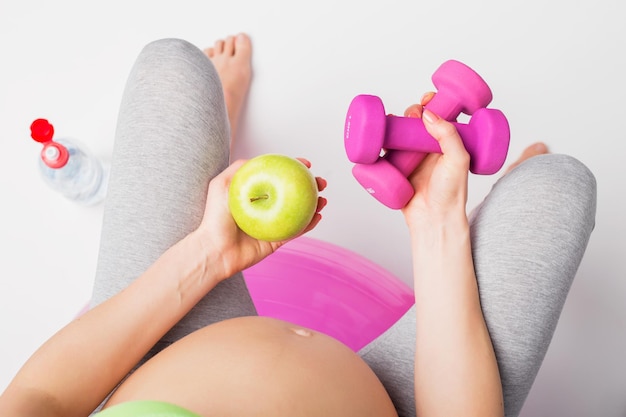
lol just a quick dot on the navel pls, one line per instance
(301, 332)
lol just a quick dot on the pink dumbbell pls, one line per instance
(370, 131)
(460, 89)
(386, 179)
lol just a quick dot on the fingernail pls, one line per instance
(429, 116)
(414, 114)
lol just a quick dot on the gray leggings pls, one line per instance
(528, 236)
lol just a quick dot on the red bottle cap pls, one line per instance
(53, 154)
(41, 130)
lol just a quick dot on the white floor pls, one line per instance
(556, 70)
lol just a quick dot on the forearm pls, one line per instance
(455, 367)
(82, 363)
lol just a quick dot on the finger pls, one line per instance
(321, 183)
(317, 217)
(305, 162)
(446, 134)
(226, 176)
(427, 97)
(235, 166)
(414, 110)
(321, 203)
(421, 174)
(209, 52)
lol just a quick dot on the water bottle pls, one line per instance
(68, 167)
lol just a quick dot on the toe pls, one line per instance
(243, 46)
(229, 46)
(219, 46)
(538, 148)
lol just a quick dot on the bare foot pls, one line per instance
(535, 149)
(232, 59)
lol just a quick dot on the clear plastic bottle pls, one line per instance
(68, 167)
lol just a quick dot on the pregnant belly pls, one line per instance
(258, 366)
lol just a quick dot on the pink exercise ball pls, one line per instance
(329, 289)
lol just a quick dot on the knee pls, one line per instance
(553, 185)
(172, 59)
(566, 181)
(569, 174)
(558, 171)
(566, 166)
(170, 47)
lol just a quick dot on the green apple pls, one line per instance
(273, 197)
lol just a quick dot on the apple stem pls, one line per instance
(261, 197)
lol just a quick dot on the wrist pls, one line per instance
(442, 257)
(204, 256)
(441, 241)
(439, 228)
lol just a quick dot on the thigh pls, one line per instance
(528, 238)
(172, 137)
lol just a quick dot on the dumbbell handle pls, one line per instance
(404, 161)
(410, 134)
(445, 108)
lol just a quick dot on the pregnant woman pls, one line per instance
(172, 320)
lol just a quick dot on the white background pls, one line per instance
(556, 69)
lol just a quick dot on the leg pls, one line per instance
(526, 256)
(235, 73)
(172, 138)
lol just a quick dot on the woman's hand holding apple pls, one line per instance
(220, 234)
